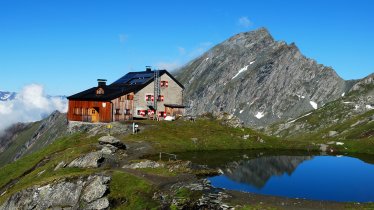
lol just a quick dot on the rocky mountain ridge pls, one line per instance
(25, 138)
(353, 113)
(259, 80)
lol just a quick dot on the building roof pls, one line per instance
(174, 105)
(131, 82)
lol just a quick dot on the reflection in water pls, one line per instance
(258, 171)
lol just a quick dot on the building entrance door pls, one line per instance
(95, 116)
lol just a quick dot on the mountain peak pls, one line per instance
(251, 37)
(258, 79)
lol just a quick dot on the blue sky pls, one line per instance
(65, 45)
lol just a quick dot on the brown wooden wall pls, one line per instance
(105, 111)
(120, 105)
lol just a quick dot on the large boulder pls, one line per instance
(112, 141)
(95, 189)
(80, 193)
(90, 160)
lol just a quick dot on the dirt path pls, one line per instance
(162, 182)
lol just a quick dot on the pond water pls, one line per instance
(292, 174)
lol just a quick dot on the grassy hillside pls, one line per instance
(129, 191)
(349, 119)
(34, 137)
(17, 143)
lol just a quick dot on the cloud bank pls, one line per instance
(30, 105)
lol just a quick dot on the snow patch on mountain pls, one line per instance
(314, 104)
(245, 68)
(259, 115)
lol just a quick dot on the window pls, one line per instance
(164, 83)
(77, 111)
(93, 112)
(160, 98)
(118, 112)
(84, 111)
(130, 97)
(127, 112)
(142, 112)
(149, 98)
(100, 91)
(161, 114)
(151, 112)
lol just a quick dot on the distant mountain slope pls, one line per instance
(25, 138)
(350, 117)
(259, 80)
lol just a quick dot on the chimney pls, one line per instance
(101, 82)
(148, 69)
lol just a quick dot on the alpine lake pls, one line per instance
(293, 174)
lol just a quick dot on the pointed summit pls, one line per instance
(251, 73)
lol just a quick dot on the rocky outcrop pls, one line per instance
(94, 129)
(90, 160)
(144, 164)
(257, 79)
(80, 193)
(352, 104)
(229, 120)
(112, 141)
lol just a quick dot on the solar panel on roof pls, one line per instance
(128, 78)
(125, 78)
(148, 75)
(139, 81)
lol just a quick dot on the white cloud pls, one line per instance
(244, 22)
(30, 105)
(122, 38)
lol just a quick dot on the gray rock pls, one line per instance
(257, 79)
(112, 141)
(62, 164)
(332, 133)
(108, 150)
(95, 189)
(102, 203)
(90, 160)
(63, 194)
(144, 164)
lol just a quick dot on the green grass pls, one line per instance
(65, 149)
(9, 153)
(204, 134)
(130, 192)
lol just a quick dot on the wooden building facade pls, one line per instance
(132, 96)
